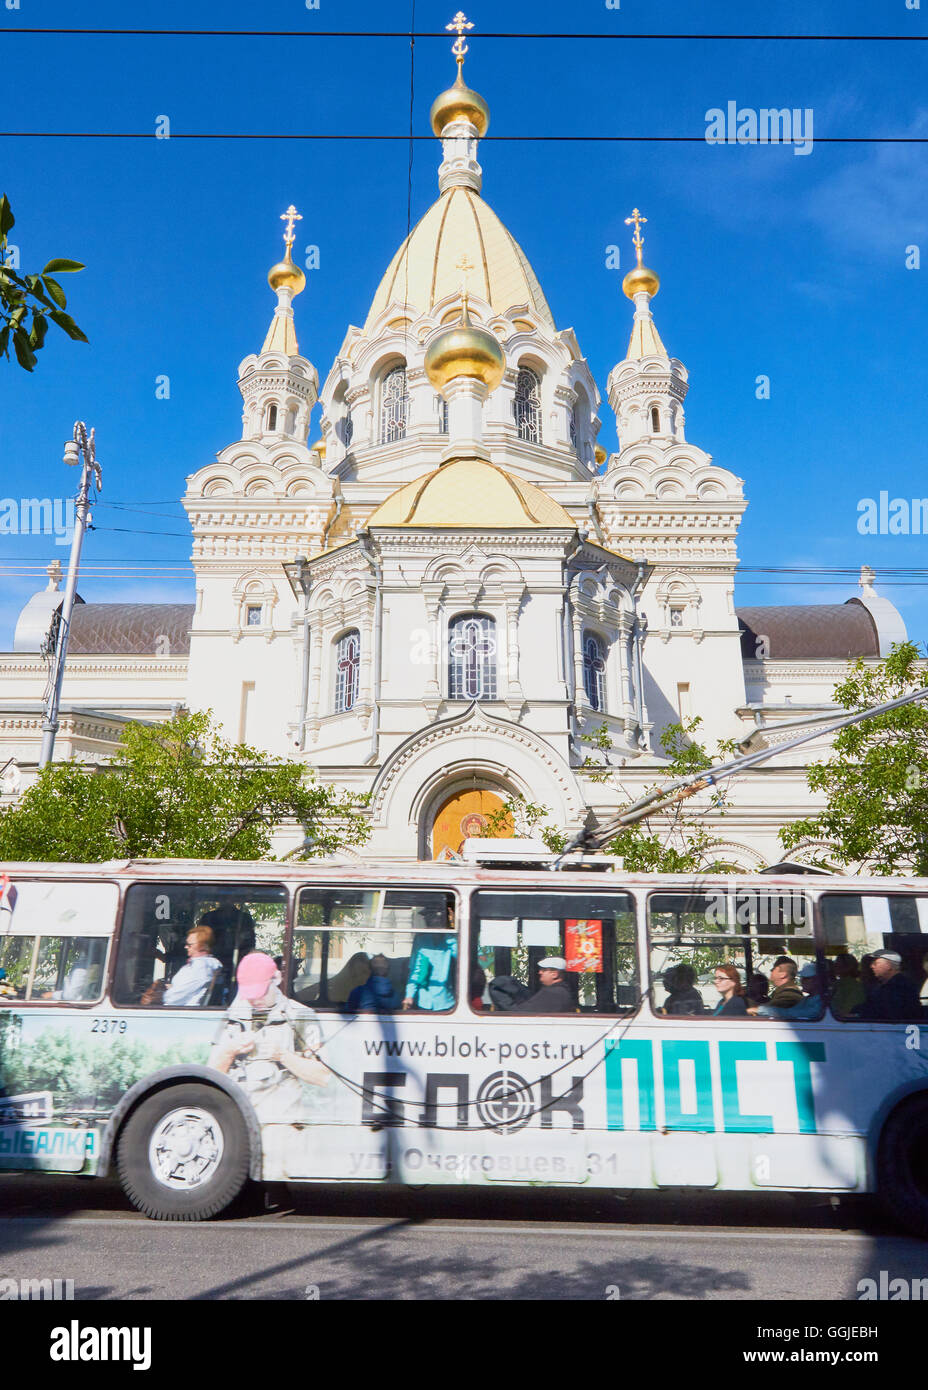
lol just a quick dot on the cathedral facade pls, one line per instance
(457, 595)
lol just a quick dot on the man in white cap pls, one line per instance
(554, 996)
(895, 995)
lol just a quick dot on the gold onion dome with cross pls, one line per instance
(459, 102)
(285, 275)
(640, 278)
(465, 349)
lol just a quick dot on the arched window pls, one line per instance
(655, 420)
(594, 670)
(527, 405)
(472, 658)
(347, 671)
(441, 407)
(394, 405)
(574, 431)
(347, 429)
(272, 417)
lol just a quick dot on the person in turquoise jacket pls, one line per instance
(430, 984)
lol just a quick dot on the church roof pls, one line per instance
(149, 629)
(824, 631)
(426, 268)
(468, 493)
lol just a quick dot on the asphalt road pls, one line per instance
(365, 1243)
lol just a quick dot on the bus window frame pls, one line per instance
(460, 894)
(106, 979)
(842, 1020)
(188, 882)
(549, 886)
(816, 937)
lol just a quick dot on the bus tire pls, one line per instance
(183, 1154)
(902, 1166)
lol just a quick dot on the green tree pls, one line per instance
(681, 846)
(28, 302)
(876, 779)
(177, 790)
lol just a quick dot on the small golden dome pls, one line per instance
(286, 275)
(318, 448)
(465, 349)
(460, 103)
(641, 278)
(599, 453)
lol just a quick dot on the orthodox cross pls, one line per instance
(459, 47)
(290, 216)
(638, 220)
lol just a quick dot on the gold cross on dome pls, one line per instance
(459, 23)
(464, 265)
(639, 221)
(290, 216)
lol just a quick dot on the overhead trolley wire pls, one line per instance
(520, 35)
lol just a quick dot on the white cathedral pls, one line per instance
(442, 600)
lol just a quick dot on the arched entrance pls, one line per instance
(462, 814)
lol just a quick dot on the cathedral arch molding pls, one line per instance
(513, 758)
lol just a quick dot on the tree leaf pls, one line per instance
(4, 340)
(7, 220)
(55, 290)
(62, 266)
(24, 354)
(39, 329)
(66, 322)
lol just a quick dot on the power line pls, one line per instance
(380, 137)
(521, 36)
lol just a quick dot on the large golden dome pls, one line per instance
(470, 492)
(465, 349)
(460, 103)
(426, 268)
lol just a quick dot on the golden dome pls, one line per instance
(318, 448)
(470, 492)
(425, 270)
(460, 103)
(641, 278)
(286, 275)
(465, 349)
(599, 453)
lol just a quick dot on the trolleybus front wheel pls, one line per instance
(902, 1166)
(183, 1154)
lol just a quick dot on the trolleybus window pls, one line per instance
(375, 950)
(54, 938)
(592, 933)
(180, 943)
(762, 942)
(856, 927)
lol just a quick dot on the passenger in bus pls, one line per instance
(809, 1006)
(923, 992)
(478, 986)
(682, 995)
(787, 992)
(377, 994)
(848, 992)
(728, 983)
(553, 997)
(353, 975)
(192, 983)
(895, 996)
(430, 983)
(757, 989)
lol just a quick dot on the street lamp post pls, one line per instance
(79, 452)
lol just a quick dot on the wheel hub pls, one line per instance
(185, 1148)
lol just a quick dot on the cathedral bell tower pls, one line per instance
(278, 386)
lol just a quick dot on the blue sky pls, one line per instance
(771, 263)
